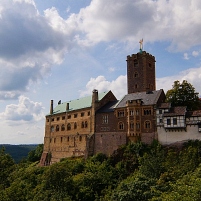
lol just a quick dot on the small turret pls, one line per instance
(51, 107)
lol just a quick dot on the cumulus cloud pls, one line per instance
(127, 21)
(25, 111)
(118, 86)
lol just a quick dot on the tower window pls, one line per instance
(136, 74)
(135, 63)
(150, 65)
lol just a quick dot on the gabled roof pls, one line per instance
(76, 104)
(150, 98)
(165, 106)
(176, 111)
(195, 113)
(109, 107)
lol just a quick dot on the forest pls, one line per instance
(134, 172)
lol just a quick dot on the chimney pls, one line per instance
(94, 96)
(51, 107)
(67, 106)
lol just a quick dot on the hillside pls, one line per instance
(134, 172)
(18, 152)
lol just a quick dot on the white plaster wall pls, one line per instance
(169, 137)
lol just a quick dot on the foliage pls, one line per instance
(18, 152)
(35, 155)
(183, 94)
(135, 172)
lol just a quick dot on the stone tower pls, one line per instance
(141, 72)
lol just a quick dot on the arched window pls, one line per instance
(137, 125)
(75, 125)
(86, 124)
(131, 125)
(62, 127)
(121, 126)
(52, 129)
(57, 128)
(147, 124)
(69, 126)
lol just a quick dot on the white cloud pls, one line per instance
(186, 56)
(128, 21)
(118, 86)
(195, 53)
(192, 75)
(25, 111)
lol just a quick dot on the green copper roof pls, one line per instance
(76, 104)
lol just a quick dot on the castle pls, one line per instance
(100, 123)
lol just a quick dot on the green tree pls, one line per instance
(6, 168)
(35, 154)
(183, 94)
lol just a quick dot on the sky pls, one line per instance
(63, 49)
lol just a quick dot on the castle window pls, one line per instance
(58, 118)
(82, 125)
(149, 65)
(137, 126)
(63, 117)
(86, 124)
(52, 129)
(136, 74)
(105, 119)
(69, 126)
(62, 127)
(168, 121)
(61, 139)
(80, 138)
(75, 125)
(57, 128)
(52, 119)
(147, 112)
(68, 139)
(75, 115)
(121, 114)
(174, 121)
(160, 121)
(69, 116)
(147, 124)
(137, 112)
(48, 120)
(131, 125)
(88, 113)
(131, 112)
(135, 63)
(136, 86)
(82, 114)
(121, 126)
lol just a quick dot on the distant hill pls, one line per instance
(18, 152)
